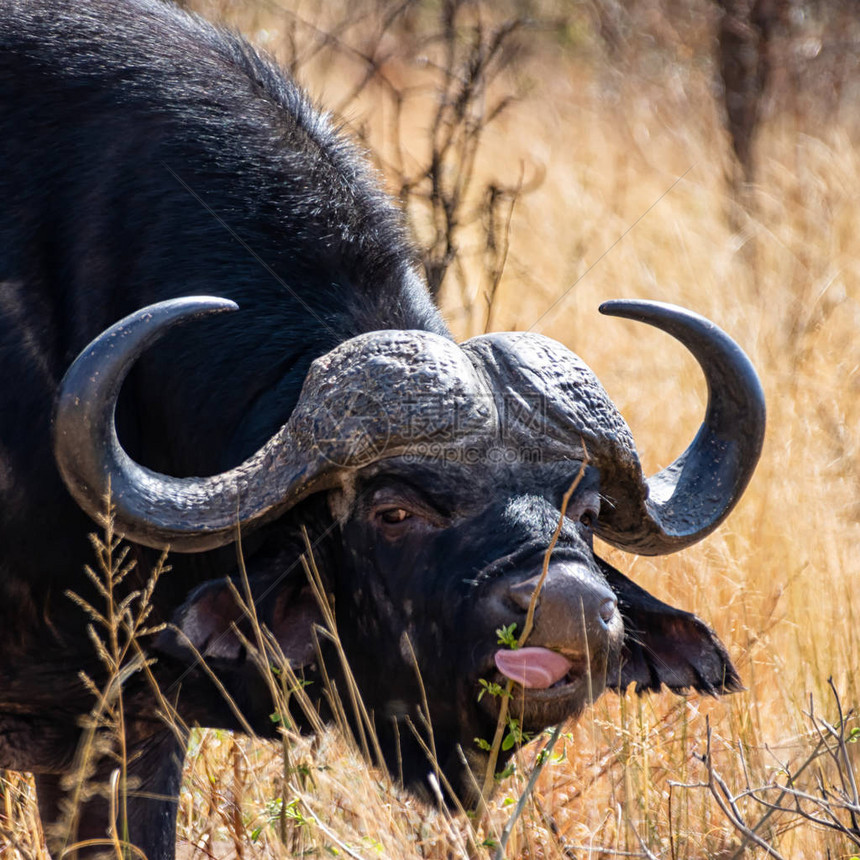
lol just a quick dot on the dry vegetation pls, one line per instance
(607, 176)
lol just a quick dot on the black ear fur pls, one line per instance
(665, 645)
(212, 621)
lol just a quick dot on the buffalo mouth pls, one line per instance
(538, 708)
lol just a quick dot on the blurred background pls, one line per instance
(550, 156)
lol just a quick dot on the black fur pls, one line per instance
(148, 155)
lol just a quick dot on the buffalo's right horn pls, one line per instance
(688, 499)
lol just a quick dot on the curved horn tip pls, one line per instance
(116, 348)
(150, 323)
(646, 310)
(187, 306)
(704, 338)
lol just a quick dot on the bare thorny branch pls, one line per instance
(458, 213)
(830, 802)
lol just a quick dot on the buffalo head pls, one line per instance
(431, 477)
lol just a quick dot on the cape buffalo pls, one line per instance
(150, 161)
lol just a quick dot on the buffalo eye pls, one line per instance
(585, 509)
(394, 516)
(395, 512)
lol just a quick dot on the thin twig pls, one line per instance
(493, 756)
(540, 761)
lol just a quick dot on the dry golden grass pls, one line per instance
(633, 203)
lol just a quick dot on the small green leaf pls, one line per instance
(515, 735)
(483, 744)
(507, 635)
(492, 688)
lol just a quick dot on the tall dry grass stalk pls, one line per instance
(621, 159)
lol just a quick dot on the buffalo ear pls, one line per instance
(217, 627)
(665, 645)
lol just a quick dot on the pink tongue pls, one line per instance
(533, 667)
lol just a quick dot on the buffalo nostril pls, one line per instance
(607, 609)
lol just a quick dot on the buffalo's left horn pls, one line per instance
(189, 514)
(689, 498)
